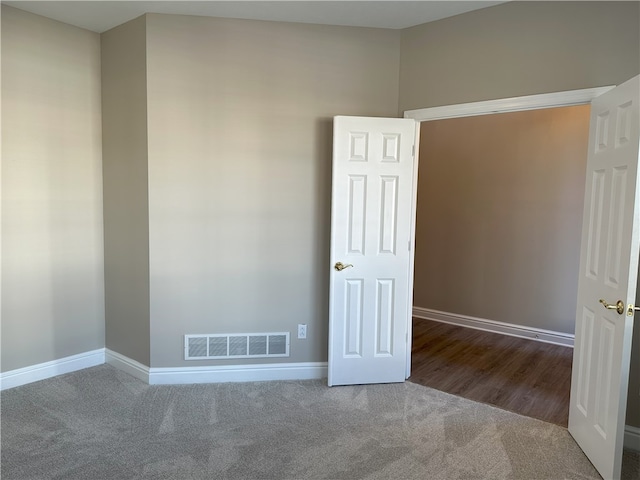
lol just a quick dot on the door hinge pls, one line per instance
(413, 151)
(409, 245)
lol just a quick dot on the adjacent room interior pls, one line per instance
(499, 218)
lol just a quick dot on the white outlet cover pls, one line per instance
(302, 330)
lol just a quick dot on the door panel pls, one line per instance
(608, 271)
(371, 232)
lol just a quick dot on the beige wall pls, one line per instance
(519, 48)
(125, 179)
(499, 216)
(240, 122)
(52, 270)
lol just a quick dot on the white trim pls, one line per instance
(217, 373)
(42, 371)
(540, 335)
(632, 438)
(503, 105)
(127, 365)
(238, 373)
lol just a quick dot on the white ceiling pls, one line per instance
(100, 16)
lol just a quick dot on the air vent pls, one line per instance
(236, 345)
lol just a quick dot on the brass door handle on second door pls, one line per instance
(618, 307)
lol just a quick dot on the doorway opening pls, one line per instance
(498, 218)
(504, 105)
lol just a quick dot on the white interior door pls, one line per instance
(608, 271)
(372, 236)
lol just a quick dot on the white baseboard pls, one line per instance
(218, 373)
(238, 373)
(540, 335)
(632, 438)
(127, 365)
(164, 376)
(42, 371)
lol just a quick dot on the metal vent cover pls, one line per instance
(236, 345)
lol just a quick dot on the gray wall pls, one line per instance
(125, 180)
(52, 270)
(240, 134)
(499, 216)
(519, 48)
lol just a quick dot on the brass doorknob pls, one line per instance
(618, 307)
(341, 266)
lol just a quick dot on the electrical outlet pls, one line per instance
(302, 330)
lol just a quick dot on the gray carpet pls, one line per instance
(100, 423)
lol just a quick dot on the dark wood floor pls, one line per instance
(523, 376)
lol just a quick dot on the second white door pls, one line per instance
(608, 276)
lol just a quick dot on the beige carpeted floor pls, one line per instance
(100, 423)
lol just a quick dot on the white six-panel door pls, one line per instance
(608, 271)
(371, 228)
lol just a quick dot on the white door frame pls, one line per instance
(488, 107)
